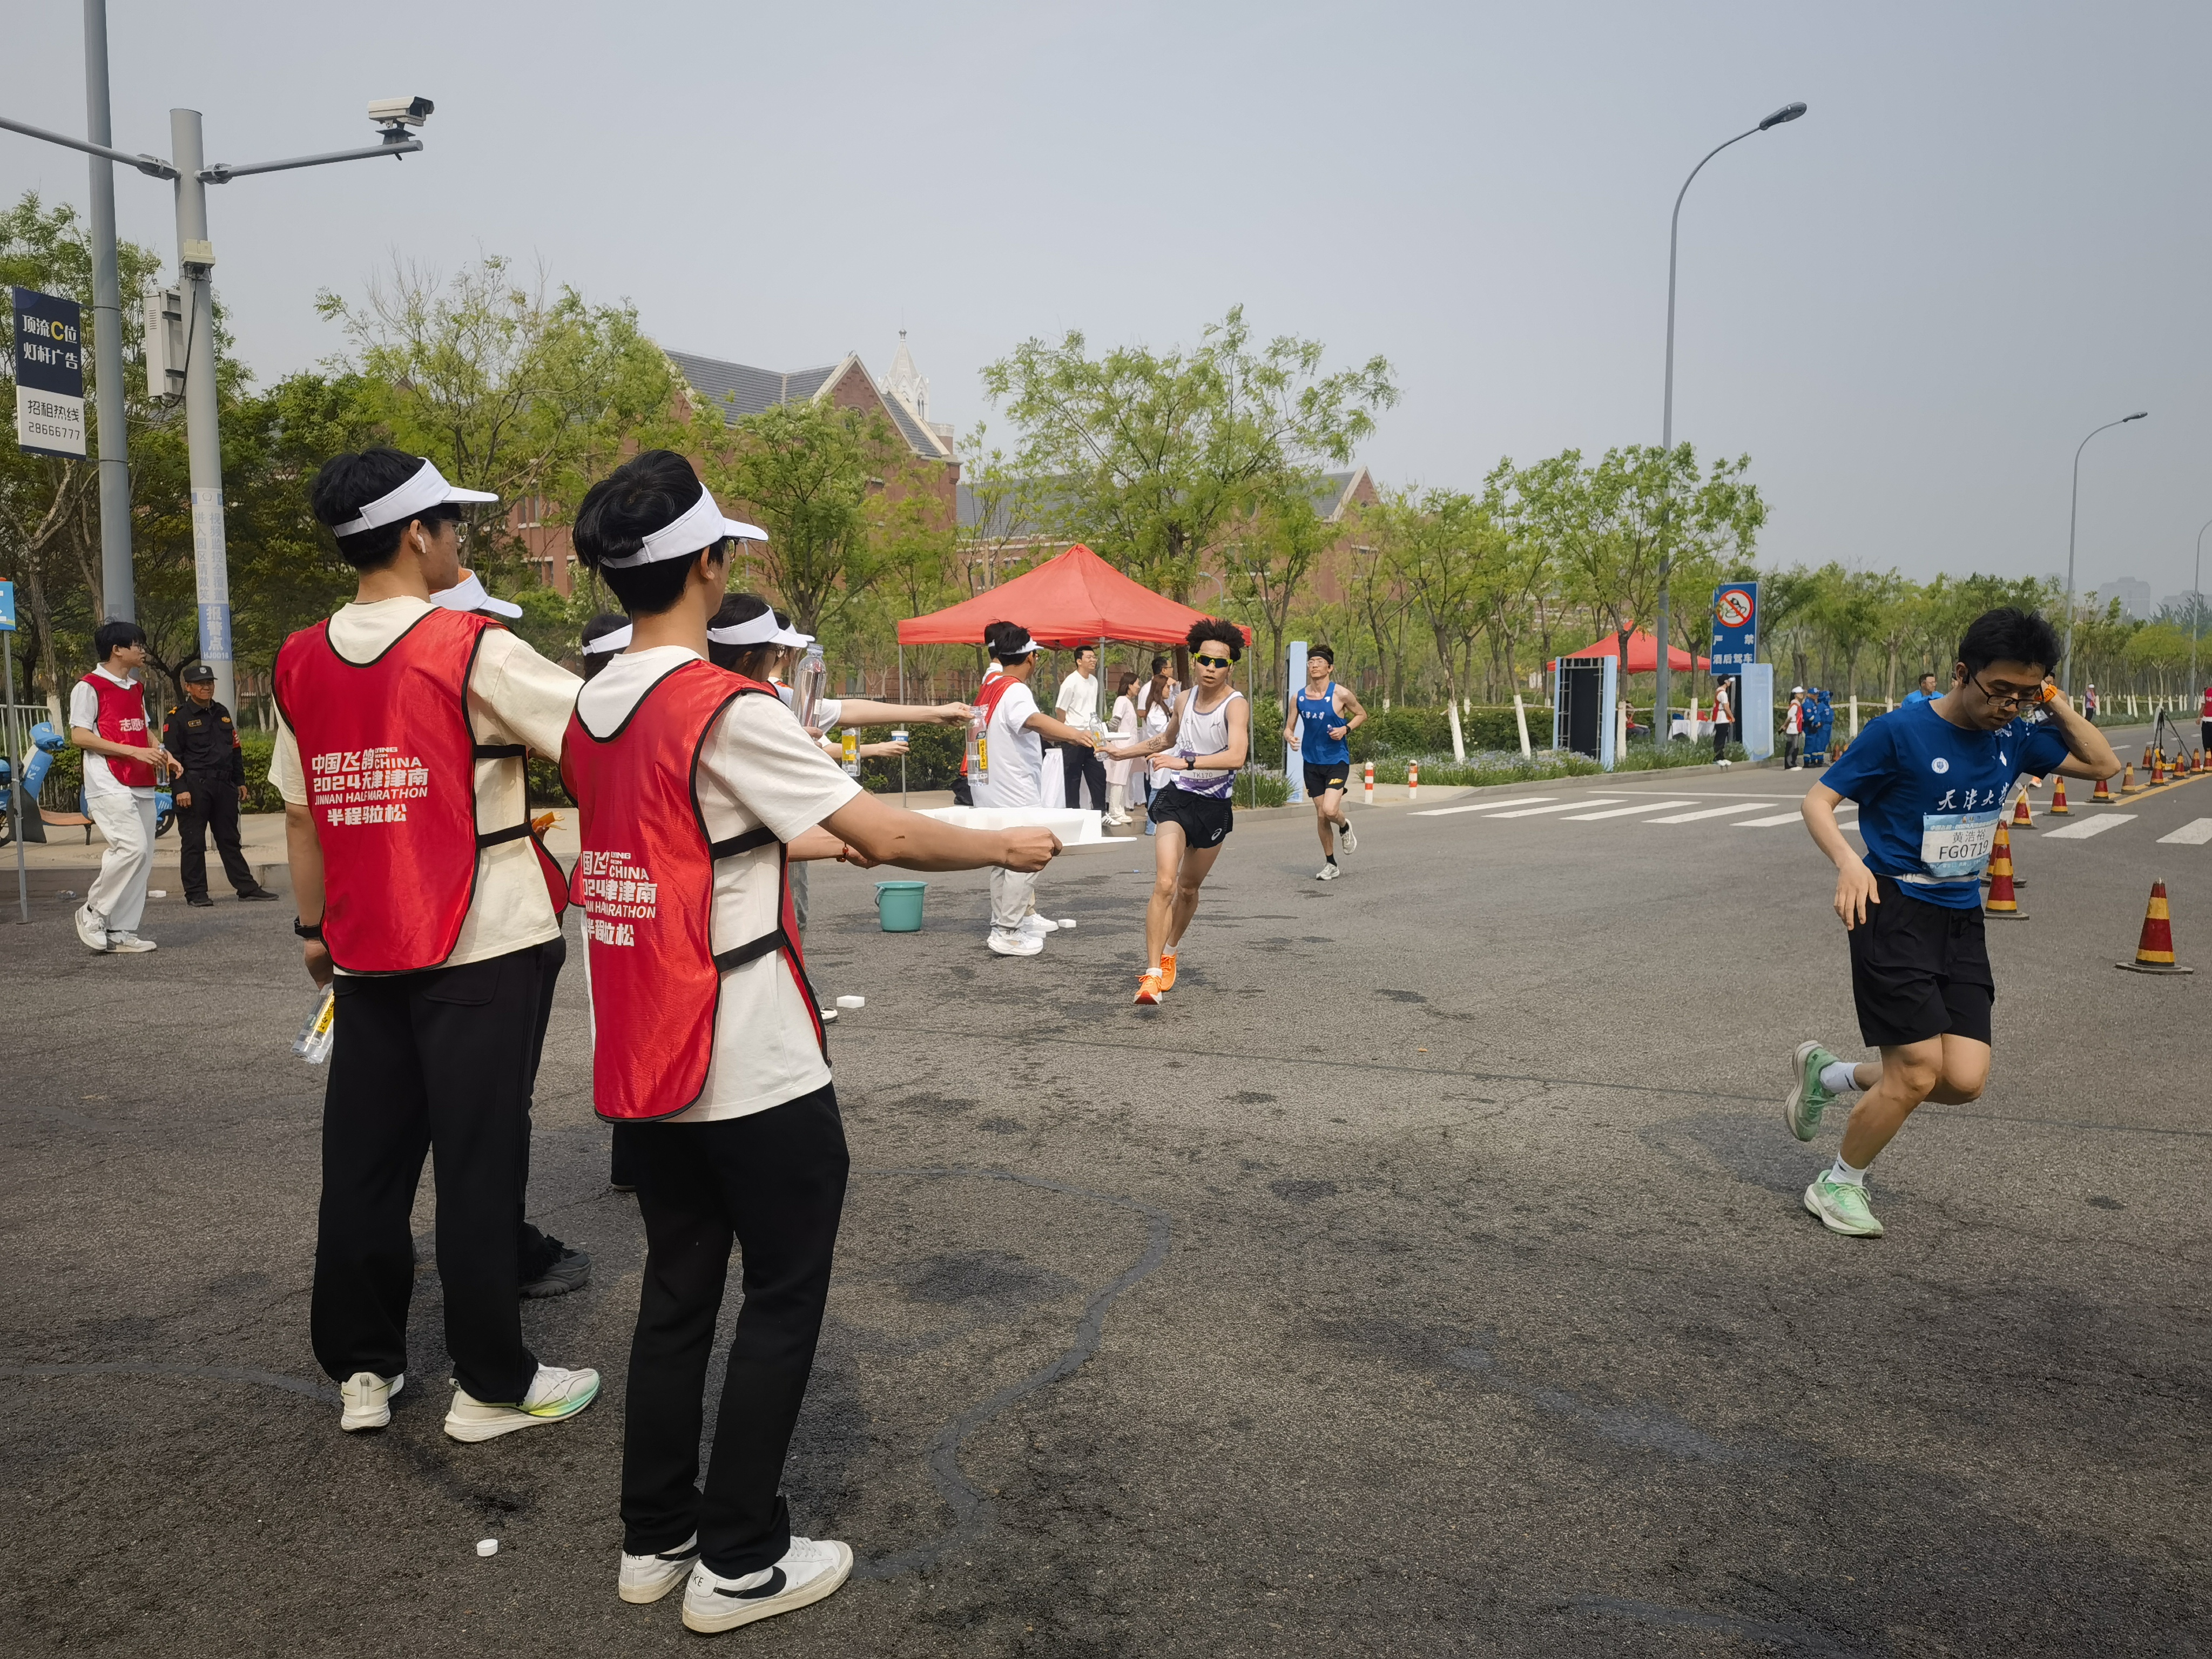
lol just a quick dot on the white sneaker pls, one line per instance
(828, 1015)
(809, 1572)
(368, 1400)
(649, 1577)
(91, 929)
(1724, 762)
(1327, 873)
(554, 1392)
(129, 944)
(1016, 944)
(1039, 925)
(1346, 840)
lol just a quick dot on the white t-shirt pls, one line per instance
(515, 695)
(1016, 774)
(84, 710)
(758, 766)
(1079, 699)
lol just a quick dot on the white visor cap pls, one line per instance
(426, 488)
(755, 630)
(608, 643)
(698, 527)
(468, 594)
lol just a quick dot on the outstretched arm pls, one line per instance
(860, 711)
(883, 833)
(1153, 746)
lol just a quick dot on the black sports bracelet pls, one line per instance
(307, 929)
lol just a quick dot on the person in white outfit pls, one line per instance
(107, 721)
(1119, 773)
(1013, 776)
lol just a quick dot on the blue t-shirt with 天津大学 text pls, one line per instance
(1930, 795)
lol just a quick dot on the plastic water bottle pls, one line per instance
(812, 673)
(852, 746)
(313, 1043)
(979, 746)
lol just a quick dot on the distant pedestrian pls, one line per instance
(1793, 731)
(1322, 715)
(2204, 720)
(1013, 776)
(107, 721)
(1723, 721)
(1078, 706)
(199, 732)
(2090, 703)
(1120, 775)
(1156, 701)
(1925, 692)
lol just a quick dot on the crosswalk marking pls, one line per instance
(2088, 827)
(1564, 806)
(2190, 834)
(1626, 812)
(1768, 824)
(1482, 805)
(1709, 812)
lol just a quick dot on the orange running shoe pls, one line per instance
(1150, 990)
(1166, 970)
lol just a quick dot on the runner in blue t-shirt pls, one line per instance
(1932, 781)
(1320, 718)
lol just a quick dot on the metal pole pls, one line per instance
(2196, 609)
(119, 589)
(202, 427)
(2072, 519)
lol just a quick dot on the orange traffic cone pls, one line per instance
(2021, 819)
(2058, 808)
(2157, 767)
(2103, 794)
(2128, 784)
(2002, 900)
(2154, 951)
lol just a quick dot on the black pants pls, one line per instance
(535, 1254)
(438, 1058)
(1793, 750)
(215, 806)
(773, 1182)
(1722, 730)
(1083, 766)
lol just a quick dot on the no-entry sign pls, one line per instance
(49, 375)
(1736, 626)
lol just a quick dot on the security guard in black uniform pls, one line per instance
(199, 733)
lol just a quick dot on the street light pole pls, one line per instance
(118, 586)
(2072, 519)
(202, 417)
(1659, 722)
(2196, 607)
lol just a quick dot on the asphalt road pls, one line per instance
(1427, 1276)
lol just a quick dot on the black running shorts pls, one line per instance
(1206, 819)
(1920, 971)
(1321, 778)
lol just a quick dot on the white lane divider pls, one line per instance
(1481, 806)
(2190, 834)
(2088, 827)
(1564, 806)
(1626, 812)
(1709, 812)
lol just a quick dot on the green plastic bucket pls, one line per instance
(898, 905)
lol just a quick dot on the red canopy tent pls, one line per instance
(1643, 655)
(1075, 599)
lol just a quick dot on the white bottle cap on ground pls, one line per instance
(1067, 921)
(852, 1002)
(487, 1546)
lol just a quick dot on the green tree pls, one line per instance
(1271, 553)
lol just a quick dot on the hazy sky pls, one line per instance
(1988, 236)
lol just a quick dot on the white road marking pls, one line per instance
(1709, 812)
(1846, 815)
(1481, 806)
(2190, 834)
(1564, 806)
(2088, 827)
(1626, 812)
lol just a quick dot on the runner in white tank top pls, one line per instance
(1206, 739)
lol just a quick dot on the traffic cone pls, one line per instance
(2103, 794)
(2154, 951)
(2058, 808)
(2157, 767)
(2021, 818)
(1370, 799)
(2128, 784)
(2001, 902)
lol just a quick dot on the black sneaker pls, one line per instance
(199, 901)
(571, 1271)
(258, 893)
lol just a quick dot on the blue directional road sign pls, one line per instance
(7, 607)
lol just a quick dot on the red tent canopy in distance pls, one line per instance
(1075, 599)
(1643, 655)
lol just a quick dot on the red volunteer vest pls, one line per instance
(390, 767)
(645, 879)
(123, 719)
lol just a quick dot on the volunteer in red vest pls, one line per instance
(694, 786)
(399, 756)
(1013, 775)
(107, 721)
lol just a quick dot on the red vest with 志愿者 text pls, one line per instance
(646, 880)
(123, 719)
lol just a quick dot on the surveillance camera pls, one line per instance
(400, 112)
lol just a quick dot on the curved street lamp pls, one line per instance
(1787, 112)
(2073, 518)
(2196, 606)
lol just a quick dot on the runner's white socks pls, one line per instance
(1839, 1077)
(1848, 1176)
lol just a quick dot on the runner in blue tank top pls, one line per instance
(1323, 716)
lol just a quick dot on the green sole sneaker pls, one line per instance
(1802, 1110)
(1843, 1208)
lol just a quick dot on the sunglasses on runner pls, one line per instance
(1211, 662)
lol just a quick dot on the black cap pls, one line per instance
(199, 674)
